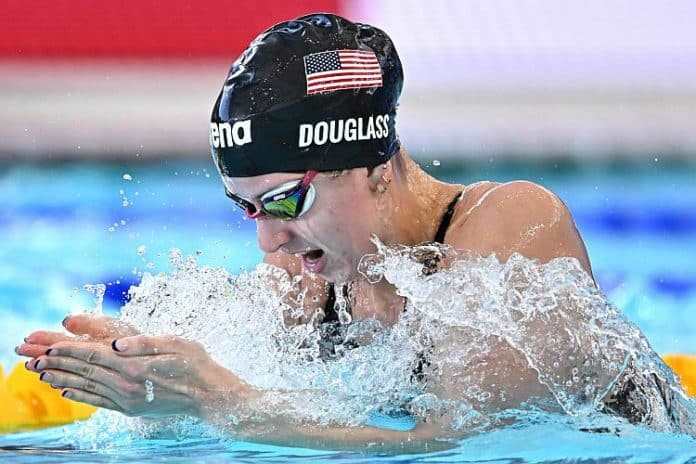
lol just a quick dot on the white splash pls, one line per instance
(98, 291)
(558, 324)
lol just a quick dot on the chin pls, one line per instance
(338, 272)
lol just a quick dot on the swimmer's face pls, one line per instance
(332, 236)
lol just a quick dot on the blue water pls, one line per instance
(65, 225)
(540, 443)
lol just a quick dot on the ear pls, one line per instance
(378, 176)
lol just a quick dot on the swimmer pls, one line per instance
(304, 137)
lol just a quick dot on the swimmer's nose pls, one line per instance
(272, 234)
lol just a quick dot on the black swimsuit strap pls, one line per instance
(446, 219)
(330, 314)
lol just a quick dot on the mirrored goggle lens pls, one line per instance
(285, 208)
(292, 204)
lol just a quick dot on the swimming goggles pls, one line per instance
(287, 201)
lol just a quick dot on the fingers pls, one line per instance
(57, 365)
(47, 338)
(142, 345)
(91, 353)
(98, 326)
(90, 398)
(88, 359)
(36, 343)
(68, 380)
(31, 351)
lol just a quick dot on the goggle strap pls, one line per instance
(309, 176)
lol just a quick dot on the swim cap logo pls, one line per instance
(224, 134)
(339, 130)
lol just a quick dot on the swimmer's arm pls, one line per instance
(279, 426)
(419, 440)
(185, 380)
(520, 217)
(517, 217)
(486, 380)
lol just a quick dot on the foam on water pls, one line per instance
(548, 321)
(578, 345)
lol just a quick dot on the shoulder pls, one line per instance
(494, 206)
(516, 217)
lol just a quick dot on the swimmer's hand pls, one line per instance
(141, 376)
(83, 327)
(163, 376)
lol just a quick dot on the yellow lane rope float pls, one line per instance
(26, 403)
(684, 366)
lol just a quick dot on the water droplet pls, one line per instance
(149, 391)
(98, 291)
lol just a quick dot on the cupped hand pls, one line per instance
(86, 327)
(142, 376)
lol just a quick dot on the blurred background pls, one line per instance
(104, 164)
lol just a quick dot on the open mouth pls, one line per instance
(313, 255)
(314, 260)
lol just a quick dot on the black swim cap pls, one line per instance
(317, 93)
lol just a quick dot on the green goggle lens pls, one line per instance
(285, 208)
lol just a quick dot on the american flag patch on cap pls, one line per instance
(342, 69)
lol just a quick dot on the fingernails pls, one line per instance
(48, 351)
(26, 339)
(17, 349)
(26, 365)
(40, 364)
(65, 394)
(46, 377)
(43, 374)
(65, 321)
(119, 345)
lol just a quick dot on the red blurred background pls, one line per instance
(140, 29)
(484, 79)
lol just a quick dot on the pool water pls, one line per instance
(65, 225)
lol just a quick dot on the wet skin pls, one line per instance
(105, 363)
